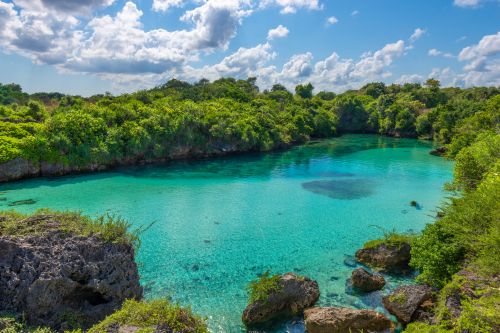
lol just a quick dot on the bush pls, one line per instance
(260, 289)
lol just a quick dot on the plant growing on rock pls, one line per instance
(260, 289)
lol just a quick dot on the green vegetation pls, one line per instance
(109, 228)
(179, 119)
(149, 315)
(391, 238)
(260, 289)
(146, 316)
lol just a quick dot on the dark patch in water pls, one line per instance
(3, 199)
(334, 174)
(349, 261)
(297, 269)
(334, 278)
(206, 241)
(217, 223)
(195, 268)
(404, 211)
(343, 189)
(23, 202)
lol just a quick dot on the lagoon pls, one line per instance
(219, 223)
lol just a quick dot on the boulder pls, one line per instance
(56, 278)
(405, 301)
(365, 281)
(440, 151)
(295, 293)
(386, 257)
(344, 320)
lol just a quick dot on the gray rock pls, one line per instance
(18, 168)
(405, 300)
(344, 320)
(294, 295)
(57, 278)
(365, 281)
(387, 258)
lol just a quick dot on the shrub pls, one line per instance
(260, 289)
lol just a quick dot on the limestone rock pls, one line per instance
(294, 295)
(344, 320)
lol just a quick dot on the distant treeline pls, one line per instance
(231, 115)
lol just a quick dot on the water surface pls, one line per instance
(220, 223)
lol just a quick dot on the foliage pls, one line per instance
(390, 238)
(148, 315)
(229, 115)
(109, 228)
(266, 284)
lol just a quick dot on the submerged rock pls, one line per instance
(343, 189)
(405, 301)
(342, 320)
(440, 151)
(55, 277)
(365, 281)
(385, 257)
(294, 294)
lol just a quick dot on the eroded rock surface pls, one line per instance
(365, 281)
(343, 320)
(404, 301)
(55, 278)
(294, 295)
(387, 258)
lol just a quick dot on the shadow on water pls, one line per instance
(294, 161)
(343, 189)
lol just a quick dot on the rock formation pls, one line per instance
(295, 293)
(342, 320)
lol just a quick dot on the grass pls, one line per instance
(147, 315)
(260, 289)
(109, 228)
(390, 238)
(9, 324)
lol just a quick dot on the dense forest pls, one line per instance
(179, 119)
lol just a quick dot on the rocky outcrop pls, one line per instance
(386, 257)
(55, 278)
(295, 293)
(440, 151)
(18, 168)
(342, 320)
(365, 281)
(404, 301)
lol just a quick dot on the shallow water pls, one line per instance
(220, 223)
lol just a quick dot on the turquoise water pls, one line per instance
(221, 222)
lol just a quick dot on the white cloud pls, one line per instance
(278, 32)
(436, 53)
(466, 3)
(417, 34)
(164, 5)
(411, 78)
(332, 20)
(483, 61)
(355, 13)
(291, 6)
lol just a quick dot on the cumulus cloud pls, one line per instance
(278, 32)
(409, 78)
(466, 3)
(291, 6)
(437, 53)
(164, 5)
(332, 20)
(417, 34)
(75, 6)
(483, 61)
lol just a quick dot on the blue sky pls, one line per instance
(92, 46)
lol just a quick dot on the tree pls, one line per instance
(304, 91)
